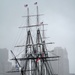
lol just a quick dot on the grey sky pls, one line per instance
(59, 14)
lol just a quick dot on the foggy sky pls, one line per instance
(58, 14)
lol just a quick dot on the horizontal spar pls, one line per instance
(18, 71)
(49, 60)
(34, 44)
(32, 26)
(33, 15)
(35, 58)
(12, 71)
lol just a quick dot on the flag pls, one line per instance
(37, 59)
(26, 5)
(35, 3)
(17, 67)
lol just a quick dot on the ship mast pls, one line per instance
(36, 58)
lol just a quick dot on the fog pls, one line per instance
(58, 14)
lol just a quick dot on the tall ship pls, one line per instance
(36, 59)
